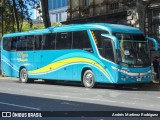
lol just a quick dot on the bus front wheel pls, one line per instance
(88, 79)
(23, 76)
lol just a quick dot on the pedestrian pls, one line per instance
(156, 67)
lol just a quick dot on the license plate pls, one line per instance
(138, 79)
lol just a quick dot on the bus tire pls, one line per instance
(88, 79)
(23, 76)
(119, 86)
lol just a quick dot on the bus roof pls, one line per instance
(75, 27)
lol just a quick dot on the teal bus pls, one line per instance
(89, 53)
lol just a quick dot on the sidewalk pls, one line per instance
(6, 78)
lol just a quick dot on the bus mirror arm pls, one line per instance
(154, 41)
(115, 40)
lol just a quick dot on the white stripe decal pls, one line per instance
(10, 65)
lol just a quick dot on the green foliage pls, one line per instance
(17, 16)
(27, 27)
(15, 13)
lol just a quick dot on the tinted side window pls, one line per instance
(7, 44)
(97, 36)
(49, 41)
(81, 41)
(30, 41)
(14, 43)
(38, 42)
(107, 51)
(64, 40)
(21, 43)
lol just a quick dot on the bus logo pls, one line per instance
(22, 57)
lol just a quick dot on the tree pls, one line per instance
(142, 11)
(16, 11)
(141, 8)
(45, 13)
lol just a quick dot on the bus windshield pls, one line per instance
(134, 50)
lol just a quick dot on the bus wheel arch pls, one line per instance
(87, 77)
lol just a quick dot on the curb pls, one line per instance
(5, 78)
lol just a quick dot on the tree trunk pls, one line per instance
(141, 14)
(45, 13)
(142, 11)
(12, 16)
(16, 15)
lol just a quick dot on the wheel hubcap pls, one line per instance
(23, 75)
(89, 78)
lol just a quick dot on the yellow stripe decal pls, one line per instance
(61, 63)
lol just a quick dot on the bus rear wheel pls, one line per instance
(23, 76)
(88, 79)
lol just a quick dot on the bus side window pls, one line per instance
(64, 40)
(98, 38)
(21, 43)
(107, 51)
(49, 41)
(14, 43)
(81, 41)
(38, 42)
(7, 44)
(30, 41)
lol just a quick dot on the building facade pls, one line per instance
(153, 25)
(58, 10)
(37, 13)
(86, 11)
(114, 11)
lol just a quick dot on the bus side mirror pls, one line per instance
(155, 43)
(115, 40)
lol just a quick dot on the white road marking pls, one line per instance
(19, 106)
(72, 97)
(79, 98)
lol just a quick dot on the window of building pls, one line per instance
(59, 3)
(156, 24)
(64, 40)
(81, 41)
(114, 5)
(50, 4)
(57, 18)
(64, 3)
(60, 17)
(75, 3)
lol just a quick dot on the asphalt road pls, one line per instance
(69, 96)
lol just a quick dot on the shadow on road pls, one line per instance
(63, 109)
(130, 87)
(17, 103)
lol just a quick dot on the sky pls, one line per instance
(32, 11)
